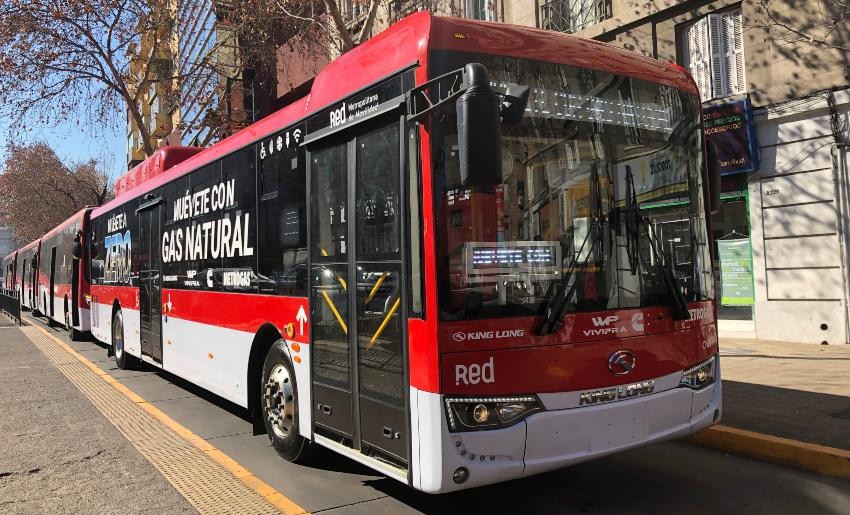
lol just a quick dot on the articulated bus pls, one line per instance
(473, 252)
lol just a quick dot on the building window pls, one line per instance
(573, 15)
(714, 54)
(481, 9)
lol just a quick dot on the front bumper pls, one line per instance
(557, 438)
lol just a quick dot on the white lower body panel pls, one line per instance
(551, 439)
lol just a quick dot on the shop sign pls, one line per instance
(736, 272)
(730, 128)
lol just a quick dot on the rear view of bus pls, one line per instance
(574, 288)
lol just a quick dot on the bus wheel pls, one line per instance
(279, 401)
(73, 334)
(122, 359)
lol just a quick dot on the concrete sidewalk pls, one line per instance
(793, 390)
(785, 402)
(59, 454)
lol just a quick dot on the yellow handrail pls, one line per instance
(384, 323)
(375, 288)
(336, 313)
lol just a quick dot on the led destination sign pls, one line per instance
(512, 257)
(522, 259)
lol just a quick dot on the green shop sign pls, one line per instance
(736, 272)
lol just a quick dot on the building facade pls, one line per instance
(202, 92)
(7, 242)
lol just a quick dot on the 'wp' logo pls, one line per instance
(603, 322)
(475, 373)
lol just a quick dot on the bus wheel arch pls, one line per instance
(124, 360)
(73, 333)
(279, 408)
(265, 337)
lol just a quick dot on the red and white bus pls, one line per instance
(11, 282)
(62, 288)
(19, 273)
(27, 266)
(472, 252)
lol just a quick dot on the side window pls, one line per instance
(282, 231)
(239, 226)
(96, 250)
(174, 267)
(204, 257)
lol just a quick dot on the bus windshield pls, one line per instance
(601, 186)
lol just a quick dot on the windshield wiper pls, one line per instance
(678, 303)
(555, 309)
(634, 221)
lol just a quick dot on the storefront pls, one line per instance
(733, 270)
(728, 127)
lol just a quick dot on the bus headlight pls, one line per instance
(477, 413)
(700, 375)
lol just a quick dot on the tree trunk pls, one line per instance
(339, 24)
(370, 21)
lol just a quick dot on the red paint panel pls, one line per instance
(239, 311)
(588, 327)
(423, 357)
(62, 290)
(571, 367)
(127, 296)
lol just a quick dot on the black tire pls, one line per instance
(279, 405)
(73, 334)
(122, 359)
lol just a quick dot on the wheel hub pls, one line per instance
(279, 401)
(118, 340)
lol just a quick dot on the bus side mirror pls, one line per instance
(77, 250)
(479, 129)
(712, 184)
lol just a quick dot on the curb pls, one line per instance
(821, 459)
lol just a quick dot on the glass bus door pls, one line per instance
(150, 286)
(358, 342)
(49, 300)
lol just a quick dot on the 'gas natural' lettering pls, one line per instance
(225, 237)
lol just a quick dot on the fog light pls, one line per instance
(480, 413)
(460, 475)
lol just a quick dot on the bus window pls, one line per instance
(282, 228)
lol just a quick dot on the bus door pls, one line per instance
(357, 321)
(150, 285)
(75, 290)
(52, 291)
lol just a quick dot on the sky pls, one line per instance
(104, 142)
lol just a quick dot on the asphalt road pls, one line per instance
(670, 478)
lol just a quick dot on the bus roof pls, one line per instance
(76, 217)
(407, 43)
